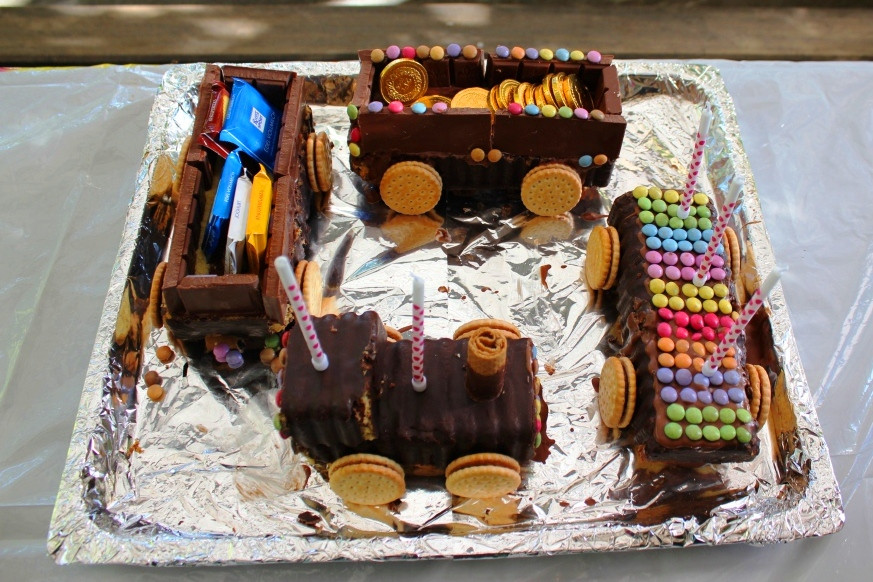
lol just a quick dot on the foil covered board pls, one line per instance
(202, 477)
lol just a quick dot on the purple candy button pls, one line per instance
(440, 107)
(655, 271)
(453, 50)
(502, 51)
(687, 259)
(531, 53)
(716, 379)
(375, 106)
(736, 395)
(594, 56)
(704, 397)
(668, 394)
(653, 257)
(665, 375)
(731, 377)
(683, 377)
(688, 395)
(720, 397)
(392, 52)
(701, 380)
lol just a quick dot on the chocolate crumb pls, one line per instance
(544, 273)
(550, 369)
(590, 502)
(443, 289)
(308, 518)
(563, 503)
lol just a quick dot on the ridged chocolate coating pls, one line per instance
(364, 402)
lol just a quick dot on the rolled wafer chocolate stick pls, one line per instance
(486, 364)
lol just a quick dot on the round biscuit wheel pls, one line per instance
(411, 188)
(551, 189)
(367, 479)
(602, 257)
(616, 397)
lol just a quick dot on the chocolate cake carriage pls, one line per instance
(215, 285)
(531, 123)
(680, 386)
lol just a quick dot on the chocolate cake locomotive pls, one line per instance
(532, 123)
(478, 421)
(645, 261)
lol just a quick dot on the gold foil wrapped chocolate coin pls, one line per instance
(403, 80)
(473, 97)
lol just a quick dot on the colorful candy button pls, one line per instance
(743, 435)
(676, 412)
(673, 430)
(744, 415)
(669, 394)
(693, 415)
(693, 432)
(711, 433)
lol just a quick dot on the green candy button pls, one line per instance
(693, 432)
(711, 433)
(673, 430)
(744, 415)
(703, 212)
(646, 216)
(693, 415)
(352, 111)
(728, 432)
(675, 221)
(710, 414)
(673, 210)
(743, 435)
(690, 222)
(727, 416)
(704, 223)
(659, 206)
(644, 203)
(271, 341)
(675, 412)
(661, 219)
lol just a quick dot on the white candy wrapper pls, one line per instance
(234, 254)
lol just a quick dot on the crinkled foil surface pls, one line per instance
(202, 477)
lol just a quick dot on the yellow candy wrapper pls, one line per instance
(259, 219)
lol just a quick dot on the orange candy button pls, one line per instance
(729, 363)
(698, 349)
(711, 347)
(682, 346)
(665, 344)
(683, 361)
(665, 360)
(697, 364)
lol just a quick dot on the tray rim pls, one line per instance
(74, 537)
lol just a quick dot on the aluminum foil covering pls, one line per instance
(202, 477)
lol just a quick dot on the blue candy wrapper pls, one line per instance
(252, 123)
(219, 217)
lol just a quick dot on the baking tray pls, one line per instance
(203, 478)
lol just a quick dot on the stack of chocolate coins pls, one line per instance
(557, 89)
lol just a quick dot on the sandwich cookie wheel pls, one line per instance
(602, 257)
(411, 188)
(760, 393)
(551, 189)
(367, 479)
(734, 261)
(483, 475)
(617, 396)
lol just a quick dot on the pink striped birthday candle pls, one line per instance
(304, 320)
(419, 382)
(730, 338)
(695, 167)
(724, 215)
